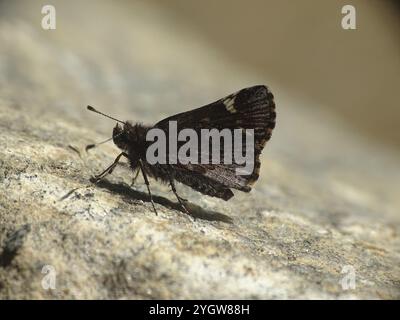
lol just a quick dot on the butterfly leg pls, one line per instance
(146, 181)
(172, 183)
(135, 177)
(111, 168)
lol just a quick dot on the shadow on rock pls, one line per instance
(130, 194)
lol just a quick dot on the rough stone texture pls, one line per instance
(326, 198)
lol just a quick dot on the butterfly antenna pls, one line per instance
(94, 145)
(90, 108)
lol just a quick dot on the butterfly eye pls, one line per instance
(120, 137)
(117, 130)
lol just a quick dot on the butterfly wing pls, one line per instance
(249, 108)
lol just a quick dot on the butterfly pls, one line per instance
(248, 110)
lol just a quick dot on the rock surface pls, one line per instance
(326, 204)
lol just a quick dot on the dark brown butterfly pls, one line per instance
(250, 108)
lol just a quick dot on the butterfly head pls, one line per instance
(121, 136)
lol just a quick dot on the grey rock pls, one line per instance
(326, 204)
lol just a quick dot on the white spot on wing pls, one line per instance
(230, 104)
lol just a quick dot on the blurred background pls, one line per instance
(301, 46)
(298, 47)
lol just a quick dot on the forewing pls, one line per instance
(249, 108)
